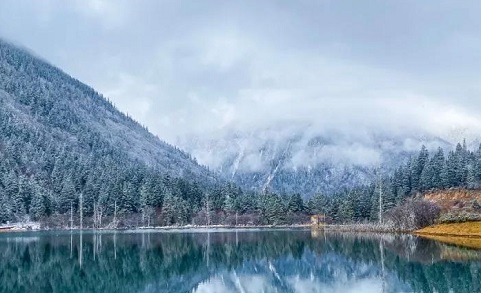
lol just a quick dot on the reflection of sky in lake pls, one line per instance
(253, 283)
(294, 261)
(326, 273)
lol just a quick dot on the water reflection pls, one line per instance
(233, 261)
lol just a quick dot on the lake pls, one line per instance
(233, 261)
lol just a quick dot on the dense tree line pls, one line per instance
(61, 141)
(42, 183)
(41, 177)
(64, 147)
(423, 172)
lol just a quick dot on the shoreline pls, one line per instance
(353, 228)
(461, 241)
(26, 228)
(464, 229)
(466, 234)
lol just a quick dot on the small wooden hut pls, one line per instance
(318, 220)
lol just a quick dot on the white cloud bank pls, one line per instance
(202, 69)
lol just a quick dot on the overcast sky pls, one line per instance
(191, 67)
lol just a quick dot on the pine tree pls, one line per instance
(128, 202)
(168, 209)
(6, 213)
(183, 211)
(146, 203)
(11, 184)
(450, 171)
(67, 196)
(438, 164)
(477, 164)
(24, 196)
(427, 177)
(406, 180)
(346, 208)
(38, 209)
(363, 204)
(471, 180)
(388, 195)
(247, 202)
(318, 204)
(459, 165)
(295, 204)
(417, 167)
(156, 189)
(230, 204)
(275, 212)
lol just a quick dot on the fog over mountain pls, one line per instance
(246, 85)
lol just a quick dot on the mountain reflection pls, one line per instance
(233, 261)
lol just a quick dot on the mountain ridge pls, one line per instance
(304, 161)
(89, 102)
(65, 148)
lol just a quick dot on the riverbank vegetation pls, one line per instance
(73, 190)
(422, 173)
(460, 241)
(69, 158)
(453, 229)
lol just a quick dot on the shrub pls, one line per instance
(412, 215)
(459, 217)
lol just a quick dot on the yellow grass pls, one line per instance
(467, 229)
(452, 253)
(462, 234)
(456, 240)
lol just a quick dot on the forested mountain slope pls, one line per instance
(60, 138)
(76, 113)
(448, 179)
(297, 158)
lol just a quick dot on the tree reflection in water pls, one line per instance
(233, 261)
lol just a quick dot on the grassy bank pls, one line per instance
(467, 229)
(466, 234)
(470, 242)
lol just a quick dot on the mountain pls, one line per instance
(297, 158)
(42, 96)
(60, 138)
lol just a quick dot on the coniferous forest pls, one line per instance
(458, 168)
(65, 148)
(272, 146)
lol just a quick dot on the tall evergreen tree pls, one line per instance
(295, 204)
(38, 208)
(438, 165)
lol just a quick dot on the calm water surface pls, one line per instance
(233, 261)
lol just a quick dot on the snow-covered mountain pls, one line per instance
(296, 157)
(45, 110)
(285, 157)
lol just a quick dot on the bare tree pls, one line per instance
(380, 196)
(71, 215)
(412, 215)
(81, 211)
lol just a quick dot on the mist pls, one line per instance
(269, 71)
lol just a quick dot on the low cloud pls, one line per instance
(199, 72)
